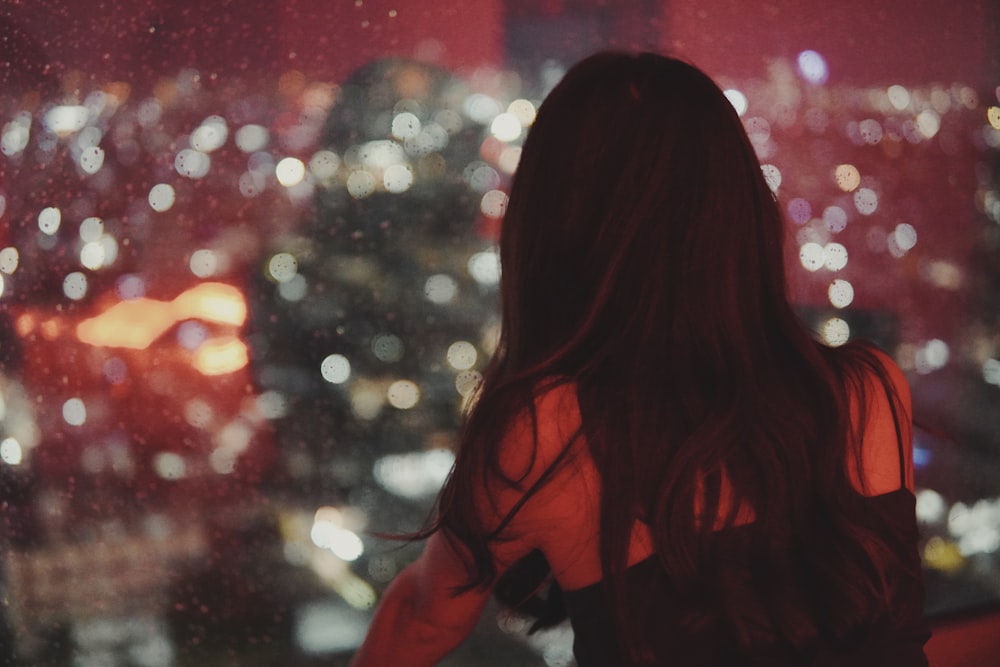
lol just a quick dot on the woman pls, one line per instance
(702, 482)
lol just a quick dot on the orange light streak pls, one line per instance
(136, 323)
(218, 356)
(214, 302)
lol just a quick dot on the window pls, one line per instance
(248, 274)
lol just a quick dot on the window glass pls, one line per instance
(248, 275)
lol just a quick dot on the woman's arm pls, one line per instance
(419, 620)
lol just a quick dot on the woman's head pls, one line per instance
(638, 214)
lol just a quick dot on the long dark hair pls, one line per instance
(642, 260)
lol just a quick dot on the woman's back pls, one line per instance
(562, 520)
(681, 636)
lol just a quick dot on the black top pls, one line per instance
(680, 643)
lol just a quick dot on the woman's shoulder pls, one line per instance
(881, 411)
(539, 433)
(872, 364)
(555, 400)
(546, 479)
(885, 390)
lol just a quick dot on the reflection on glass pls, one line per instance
(240, 312)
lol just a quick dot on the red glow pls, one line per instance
(136, 323)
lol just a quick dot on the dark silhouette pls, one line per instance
(659, 446)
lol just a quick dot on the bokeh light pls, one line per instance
(74, 412)
(335, 369)
(403, 394)
(406, 126)
(466, 382)
(834, 256)
(169, 465)
(282, 267)
(93, 255)
(462, 355)
(192, 163)
(865, 201)
(841, 293)
(506, 127)
(772, 175)
(290, 171)
(813, 67)
(414, 475)
(91, 159)
(397, 178)
(387, 347)
(75, 285)
(835, 219)
(847, 176)
(9, 259)
(737, 99)
(523, 110)
(484, 267)
(361, 183)
(811, 256)
(799, 211)
(899, 97)
(494, 203)
(835, 331)
(210, 135)
(204, 263)
(440, 288)
(11, 451)
(49, 220)
(323, 165)
(252, 138)
(161, 197)
(66, 119)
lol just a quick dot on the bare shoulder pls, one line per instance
(894, 375)
(554, 489)
(538, 437)
(887, 430)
